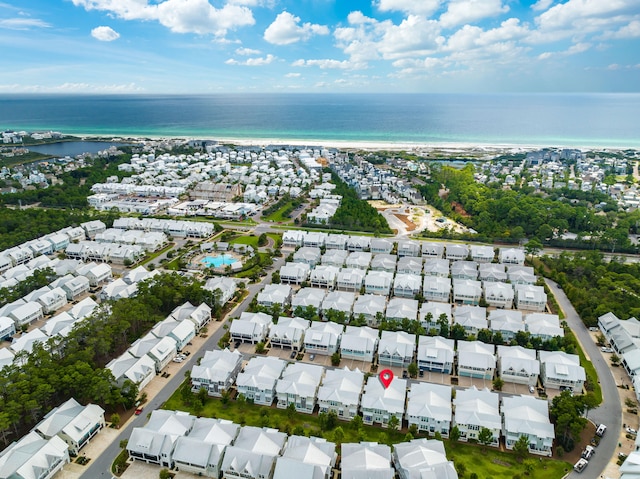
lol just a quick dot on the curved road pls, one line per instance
(100, 466)
(610, 411)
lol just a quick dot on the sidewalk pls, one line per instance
(107, 435)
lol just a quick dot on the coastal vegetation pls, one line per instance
(510, 215)
(73, 366)
(354, 214)
(281, 209)
(595, 286)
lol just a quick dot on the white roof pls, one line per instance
(31, 455)
(366, 461)
(261, 372)
(300, 379)
(430, 400)
(424, 459)
(390, 399)
(72, 418)
(527, 415)
(477, 407)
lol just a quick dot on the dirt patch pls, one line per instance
(585, 438)
(458, 208)
(405, 219)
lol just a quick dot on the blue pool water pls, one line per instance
(217, 261)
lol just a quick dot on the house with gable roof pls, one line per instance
(429, 408)
(299, 386)
(527, 416)
(366, 460)
(306, 458)
(559, 370)
(477, 409)
(289, 333)
(323, 338)
(423, 458)
(340, 392)
(253, 454)
(476, 359)
(371, 306)
(379, 403)
(518, 365)
(359, 343)
(32, 456)
(216, 372)
(258, 379)
(396, 348)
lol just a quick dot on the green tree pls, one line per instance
(412, 369)
(165, 474)
(115, 420)
(498, 384)
(454, 434)
(338, 435)
(521, 447)
(335, 359)
(394, 423)
(260, 348)
(533, 247)
(485, 436)
(356, 422)
(566, 413)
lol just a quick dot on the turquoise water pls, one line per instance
(505, 119)
(217, 261)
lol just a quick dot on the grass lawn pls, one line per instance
(487, 462)
(278, 216)
(252, 240)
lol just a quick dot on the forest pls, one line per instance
(354, 214)
(509, 215)
(595, 286)
(20, 225)
(74, 366)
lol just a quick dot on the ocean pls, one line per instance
(578, 120)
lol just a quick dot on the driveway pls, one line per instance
(610, 411)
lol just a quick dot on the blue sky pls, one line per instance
(215, 46)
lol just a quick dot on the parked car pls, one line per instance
(580, 465)
(631, 431)
(139, 411)
(532, 389)
(312, 357)
(588, 452)
(293, 355)
(601, 430)
(606, 350)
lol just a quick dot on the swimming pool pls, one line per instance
(217, 261)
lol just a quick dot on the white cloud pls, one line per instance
(286, 29)
(572, 50)
(247, 51)
(328, 64)
(105, 34)
(585, 16)
(416, 7)
(293, 75)
(252, 62)
(180, 16)
(541, 5)
(23, 23)
(72, 88)
(414, 36)
(460, 12)
(631, 30)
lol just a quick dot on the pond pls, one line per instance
(74, 148)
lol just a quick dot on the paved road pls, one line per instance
(100, 467)
(610, 411)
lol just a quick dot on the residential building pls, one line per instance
(476, 359)
(306, 458)
(436, 354)
(396, 348)
(336, 241)
(7, 328)
(350, 279)
(140, 370)
(253, 454)
(456, 252)
(34, 457)
(466, 291)
(299, 386)
(378, 282)
(308, 255)
(366, 460)
(400, 309)
(407, 285)
(358, 243)
(527, 416)
(359, 343)
(216, 372)
(532, 298)
(506, 322)
(431, 313)
(384, 262)
(429, 408)
(559, 370)
(340, 392)
(544, 326)
(436, 267)
(482, 253)
(477, 409)
(464, 270)
(323, 338)
(340, 301)
(498, 295)
(201, 452)
(324, 276)
(381, 245)
(294, 273)
(472, 318)
(154, 443)
(423, 458)
(359, 260)
(308, 297)
(258, 379)
(379, 403)
(432, 250)
(511, 256)
(275, 294)
(409, 248)
(518, 365)
(518, 274)
(74, 423)
(226, 286)
(436, 288)
(371, 307)
(334, 257)
(492, 273)
(289, 333)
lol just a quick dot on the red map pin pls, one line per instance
(386, 376)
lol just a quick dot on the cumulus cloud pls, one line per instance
(460, 12)
(252, 62)
(286, 29)
(23, 23)
(247, 51)
(631, 30)
(572, 50)
(327, 64)
(180, 16)
(416, 7)
(541, 5)
(105, 34)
